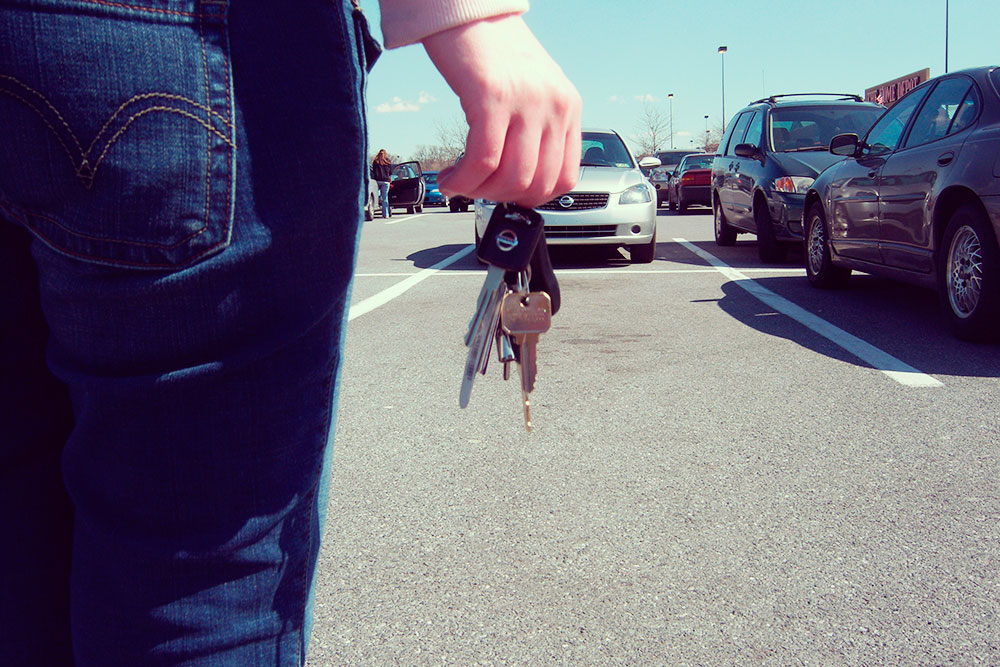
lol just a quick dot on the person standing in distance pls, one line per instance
(178, 233)
(381, 173)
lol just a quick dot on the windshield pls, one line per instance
(811, 128)
(601, 149)
(671, 158)
(696, 162)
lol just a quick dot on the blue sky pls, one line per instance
(622, 54)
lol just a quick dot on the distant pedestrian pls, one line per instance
(382, 174)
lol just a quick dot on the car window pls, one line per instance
(885, 134)
(404, 170)
(738, 131)
(601, 149)
(431, 179)
(943, 107)
(696, 162)
(755, 129)
(811, 128)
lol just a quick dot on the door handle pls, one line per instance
(873, 173)
(945, 158)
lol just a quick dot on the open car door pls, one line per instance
(407, 187)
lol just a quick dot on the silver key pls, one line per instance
(481, 336)
(494, 279)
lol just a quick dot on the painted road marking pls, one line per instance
(404, 218)
(387, 295)
(899, 371)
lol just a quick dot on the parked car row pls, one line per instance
(911, 193)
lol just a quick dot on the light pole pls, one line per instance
(722, 50)
(670, 97)
(706, 133)
(945, 36)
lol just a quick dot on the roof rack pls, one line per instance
(844, 96)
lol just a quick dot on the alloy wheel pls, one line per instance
(817, 245)
(965, 272)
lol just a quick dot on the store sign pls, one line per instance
(887, 93)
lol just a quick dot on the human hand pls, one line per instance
(523, 113)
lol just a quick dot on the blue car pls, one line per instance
(434, 196)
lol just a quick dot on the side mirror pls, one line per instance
(746, 150)
(649, 162)
(845, 144)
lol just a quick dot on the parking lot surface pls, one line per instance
(728, 467)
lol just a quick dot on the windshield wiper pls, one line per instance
(594, 164)
(808, 148)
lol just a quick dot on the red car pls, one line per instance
(691, 182)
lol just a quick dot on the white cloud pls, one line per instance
(425, 98)
(646, 98)
(396, 105)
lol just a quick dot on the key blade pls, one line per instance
(494, 279)
(481, 337)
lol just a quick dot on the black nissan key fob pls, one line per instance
(511, 237)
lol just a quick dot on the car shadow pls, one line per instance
(901, 320)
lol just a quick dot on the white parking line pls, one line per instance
(882, 361)
(387, 295)
(404, 218)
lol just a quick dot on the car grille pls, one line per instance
(582, 201)
(578, 231)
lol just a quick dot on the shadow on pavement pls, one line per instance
(899, 319)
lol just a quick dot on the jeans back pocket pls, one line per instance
(117, 141)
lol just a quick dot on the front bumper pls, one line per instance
(615, 224)
(786, 211)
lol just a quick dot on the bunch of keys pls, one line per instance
(517, 301)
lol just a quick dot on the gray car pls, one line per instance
(613, 204)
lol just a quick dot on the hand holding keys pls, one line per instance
(517, 300)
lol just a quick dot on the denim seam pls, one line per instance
(153, 10)
(86, 171)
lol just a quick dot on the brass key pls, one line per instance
(525, 316)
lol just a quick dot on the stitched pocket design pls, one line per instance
(117, 136)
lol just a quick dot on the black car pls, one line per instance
(459, 203)
(768, 158)
(407, 187)
(918, 200)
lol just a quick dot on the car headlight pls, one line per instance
(637, 194)
(793, 184)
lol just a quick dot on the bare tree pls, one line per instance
(654, 130)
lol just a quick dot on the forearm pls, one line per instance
(410, 21)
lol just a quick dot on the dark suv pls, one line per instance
(772, 151)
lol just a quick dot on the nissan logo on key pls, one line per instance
(565, 201)
(506, 240)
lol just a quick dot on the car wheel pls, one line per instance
(465, 208)
(819, 266)
(453, 208)
(769, 249)
(969, 276)
(419, 208)
(671, 204)
(410, 210)
(725, 235)
(645, 253)
(370, 209)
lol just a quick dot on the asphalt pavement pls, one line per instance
(728, 467)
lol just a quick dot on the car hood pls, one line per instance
(806, 163)
(608, 179)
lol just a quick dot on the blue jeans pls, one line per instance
(383, 197)
(181, 186)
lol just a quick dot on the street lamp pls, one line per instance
(945, 36)
(723, 50)
(670, 97)
(706, 133)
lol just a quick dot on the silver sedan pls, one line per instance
(613, 203)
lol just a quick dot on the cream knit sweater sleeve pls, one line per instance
(408, 21)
